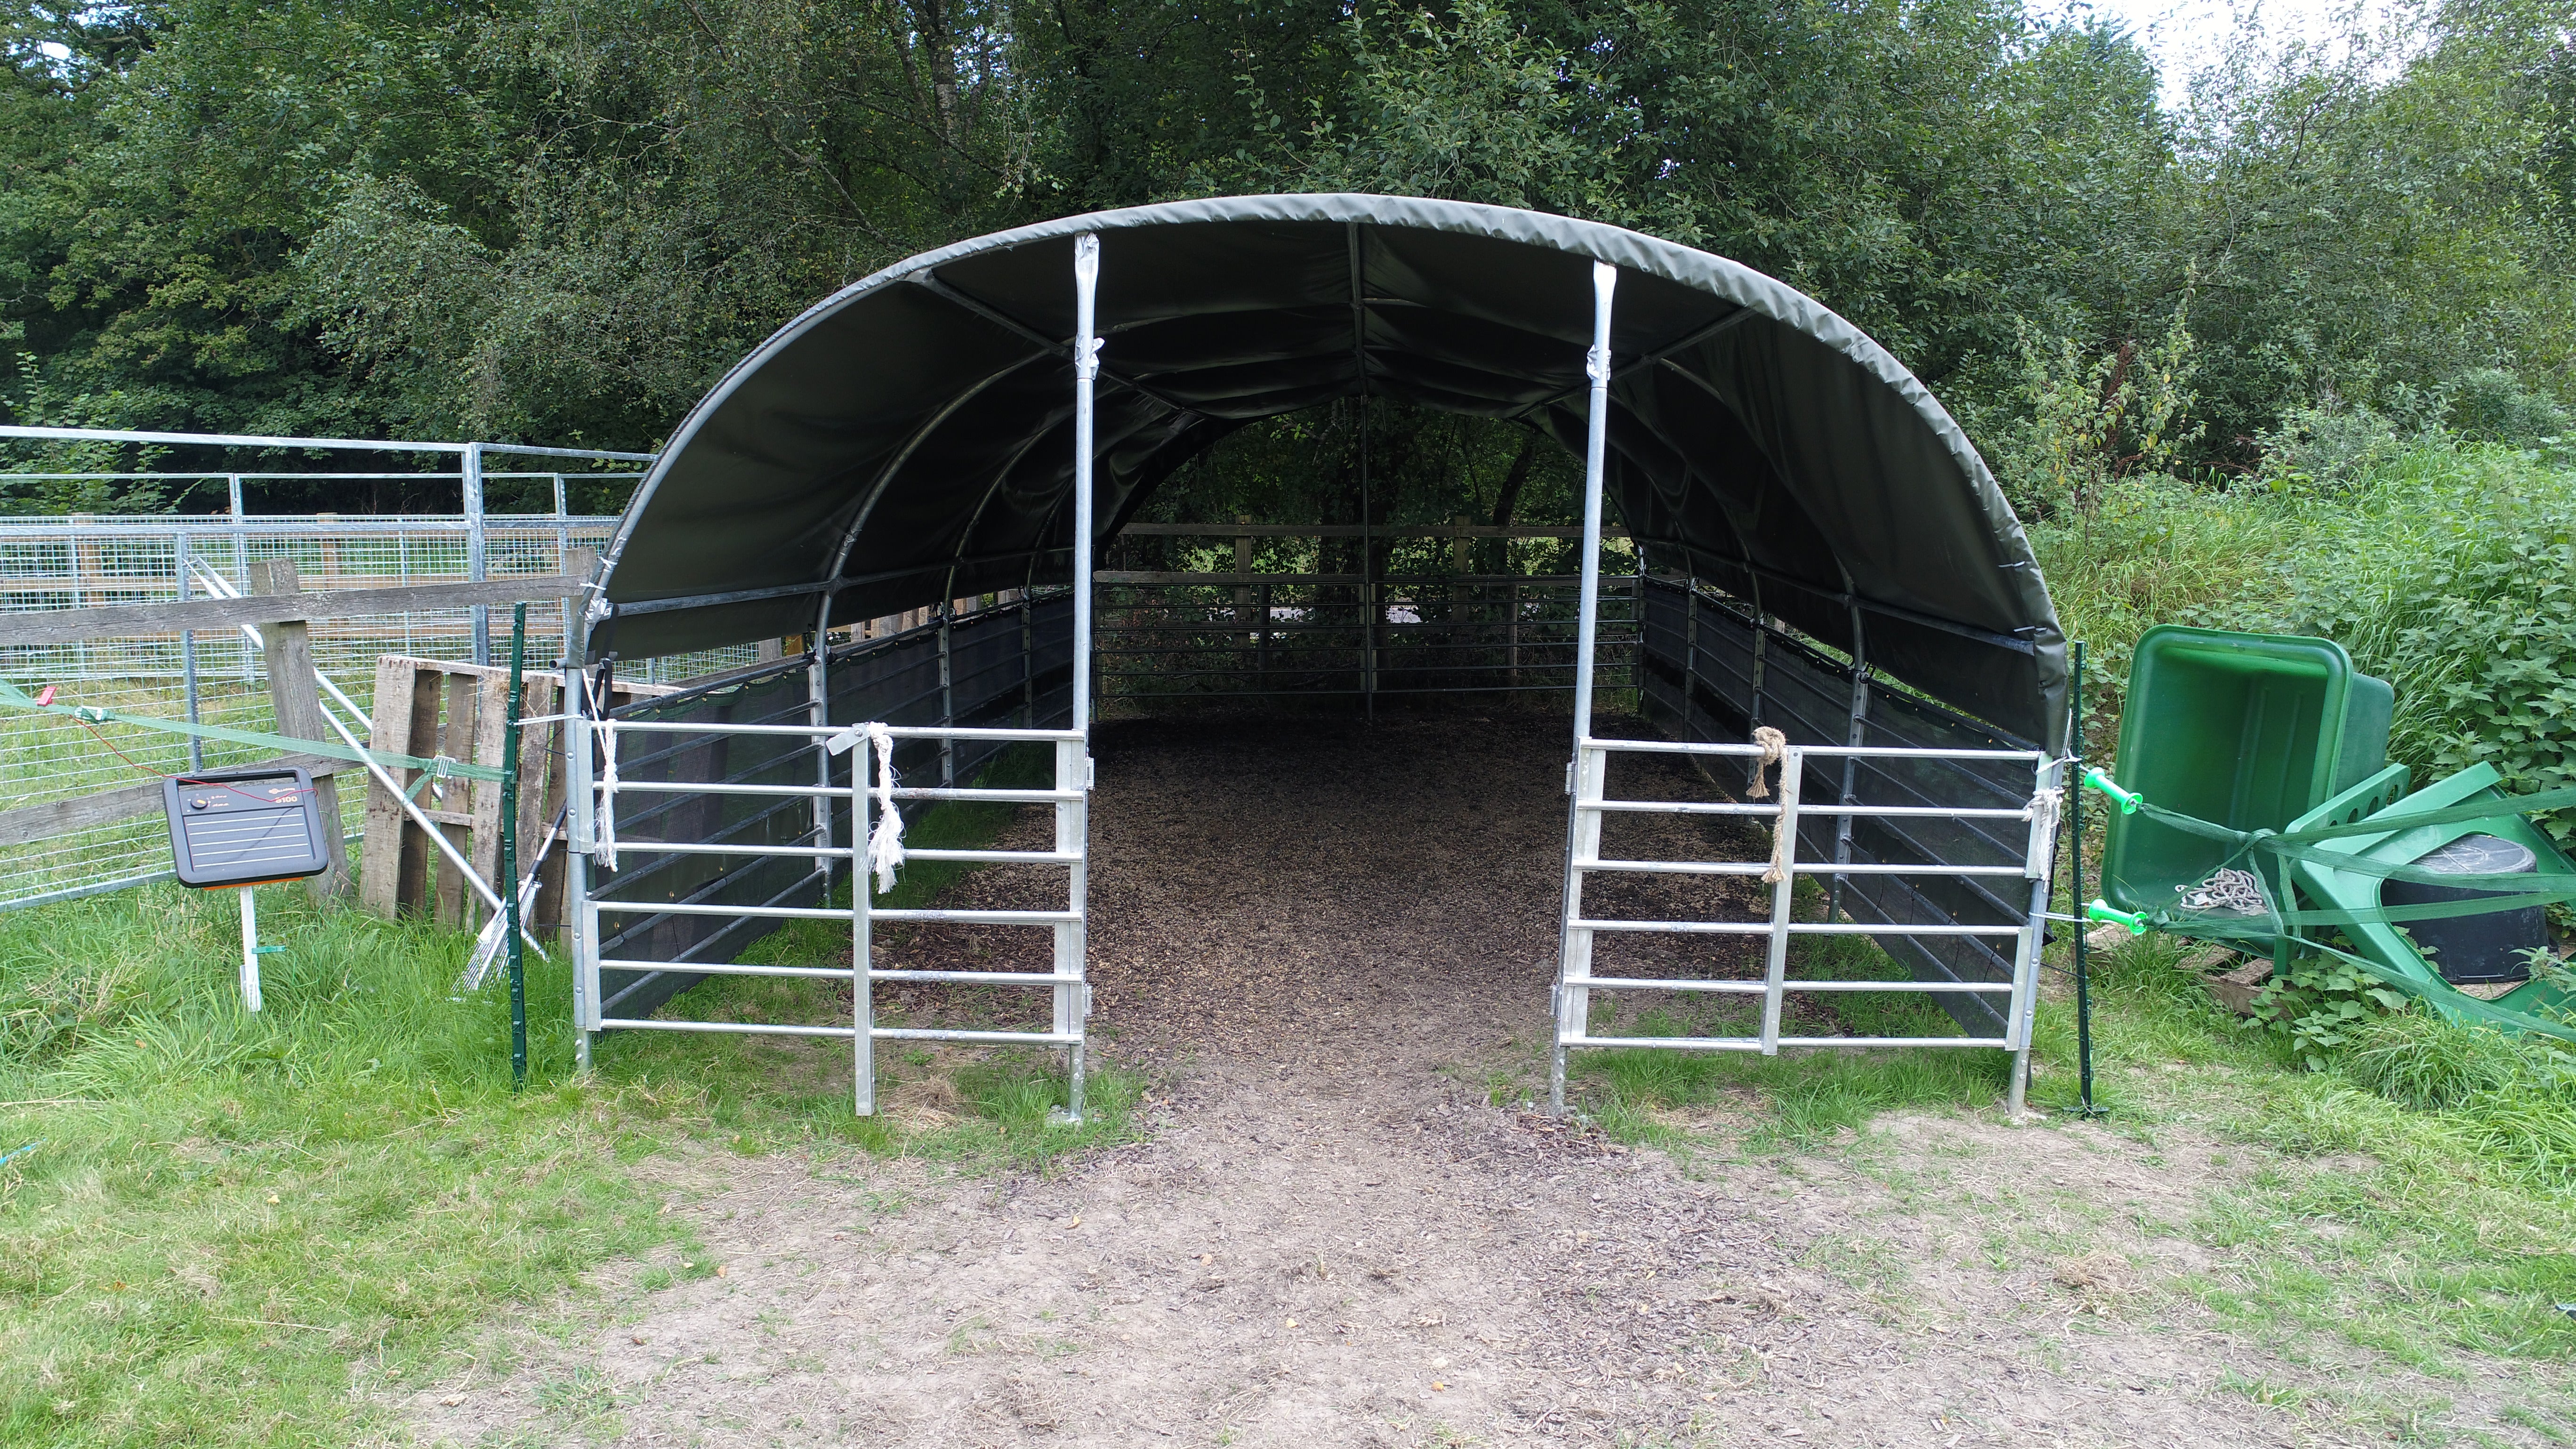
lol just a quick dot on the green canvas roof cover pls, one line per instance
(909, 438)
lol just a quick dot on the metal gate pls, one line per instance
(1781, 871)
(1069, 795)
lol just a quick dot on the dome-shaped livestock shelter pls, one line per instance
(1820, 551)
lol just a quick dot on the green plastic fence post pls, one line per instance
(509, 882)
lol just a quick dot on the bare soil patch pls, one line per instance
(1325, 941)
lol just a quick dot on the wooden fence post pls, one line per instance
(297, 700)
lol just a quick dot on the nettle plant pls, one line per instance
(2316, 1003)
(2466, 601)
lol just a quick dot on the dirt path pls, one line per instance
(1323, 942)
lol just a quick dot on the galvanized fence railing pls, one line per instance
(1007, 666)
(865, 794)
(61, 562)
(1242, 636)
(1780, 865)
(1715, 668)
(1351, 611)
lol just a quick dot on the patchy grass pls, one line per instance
(234, 1229)
(2418, 1229)
(2421, 1193)
(1797, 1096)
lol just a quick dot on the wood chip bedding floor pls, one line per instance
(1321, 940)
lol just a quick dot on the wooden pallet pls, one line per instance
(428, 708)
(431, 707)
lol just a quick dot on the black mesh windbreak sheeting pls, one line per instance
(1699, 673)
(1009, 666)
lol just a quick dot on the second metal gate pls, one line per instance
(1068, 795)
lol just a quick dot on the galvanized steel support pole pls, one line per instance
(1073, 757)
(1637, 622)
(477, 559)
(1605, 279)
(2039, 861)
(563, 549)
(1086, 367)
(1851, 763)
(818, 712)
(1584, 771)
(863, 1004)
(583, 837)
(947, 692)
(241, 535)
(1571, 1006)
(250, 950)
(1072, 943)
(1690, 654)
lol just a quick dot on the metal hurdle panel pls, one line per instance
(2035, 821)
(1069, 796)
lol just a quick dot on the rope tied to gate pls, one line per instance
(606, 850)
(885, 843)
(1784, 839)
(1774, 745)
(2045, 808)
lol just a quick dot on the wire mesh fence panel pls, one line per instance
(217, 676)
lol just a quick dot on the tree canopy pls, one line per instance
(560, 220)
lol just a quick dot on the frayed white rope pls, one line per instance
(1775, 747)
(1782, 837)
(885, 843)
(605, 851)
(2044, 810)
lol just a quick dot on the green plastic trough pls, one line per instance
(2250, 731)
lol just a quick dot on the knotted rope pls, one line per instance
(2045, 808)
(605, 851)
(885, 843)
(1774, 745)
(1784, 840)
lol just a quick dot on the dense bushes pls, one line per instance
(2446, 567)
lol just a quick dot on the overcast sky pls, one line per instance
(2183, 33)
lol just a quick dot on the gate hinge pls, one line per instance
(1090, 773)
(1569, 777)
